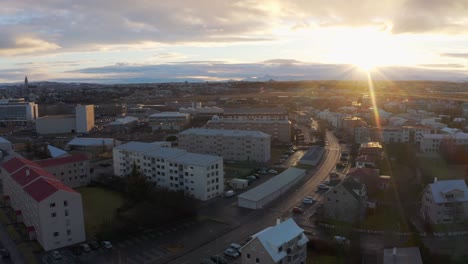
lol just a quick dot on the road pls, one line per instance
(255, 221)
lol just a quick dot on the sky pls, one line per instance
(210, 40)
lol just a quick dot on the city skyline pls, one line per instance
(113, 41)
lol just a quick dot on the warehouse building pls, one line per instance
(263, 194)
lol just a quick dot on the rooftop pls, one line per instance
(141, 146)
(371, 145)
(273, 184)
(225, 132)
(440, 188)
(4, 140)
(409, 255)
(244, 121)
(56, 116)
(124, 121)
(169, 114)
(56, 152)
(258, 111)
(197, 159)
(91, 141)
(353, 187)
(62, 160)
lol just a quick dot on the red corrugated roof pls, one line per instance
(28, 174)
(43, 188)
(16, 163)
(62, 160)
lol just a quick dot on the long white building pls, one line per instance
(17, 111)
(169, 121)
(51, 211)
(198, 175)
(433, 142)
(239, 145)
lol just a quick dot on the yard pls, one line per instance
(385, 217)
(99, 205)
(239, 170)
(435, 166)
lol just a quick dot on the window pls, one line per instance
(53, 214)
(52, 205)
(68, 232)
(56, 234)
(257, 260)
(66, 212)
(248, 256)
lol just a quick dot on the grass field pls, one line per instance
(99, 205)
(435, 166)
(385, 218)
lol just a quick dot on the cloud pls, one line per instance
(448, 65)
(456, 55)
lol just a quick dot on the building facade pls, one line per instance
(17, 111)
(197, 175)
(238, 145)
(51, 211)
(169, 121)
(84, 118)
(445, 202)
(73, 171)
(56, 124)
(283, 243)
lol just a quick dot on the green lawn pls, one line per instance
(385, 218)
(435, 166)
(239, 170)
(98, 205)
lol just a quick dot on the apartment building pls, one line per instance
(17, 111)
(51, 211)
(81, 122)
(73, 171)
(84, 118)
(169, 121)
(198, 175)
(283, 243)
(447, 142)
(238, 145)
(445, 202)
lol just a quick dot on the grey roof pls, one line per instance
(123, 121)
(353, 187)
(409, 255)
(55, 152)
(313, 155)
(232, 121)
(439, 188)
(4, 140)
(268, 111)
(169, 114)
(224, 132)
(91, 141)
(139, 146)
(197, 159)
(272, 185)
(165, 153)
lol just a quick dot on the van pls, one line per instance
(230, 193)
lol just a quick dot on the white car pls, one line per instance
(230, 252)
(323, 187)
(56, 255)
(106, 244)
(308, 201)
(272, 171)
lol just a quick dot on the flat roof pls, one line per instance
(165, 153)
(169, 114)
(224, 132)
(91, 141)
(125, 120)
(197, 159)
(140, 146)
(233, 121)
(56, 116)
(314, 153)
(268, 111)
(272, 185)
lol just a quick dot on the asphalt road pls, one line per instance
(249, 222)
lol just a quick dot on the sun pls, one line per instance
(367, 48)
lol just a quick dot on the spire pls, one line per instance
(26, 84)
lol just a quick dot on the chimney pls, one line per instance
(278, 221)
(27, 172)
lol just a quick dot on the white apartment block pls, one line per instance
(433, 142)
(84, 118)
(169, 121)
(283, 243)
(445, 202)
(73, 170)
(238, 145)
(198, 175)
(51, 211)
(17, 111)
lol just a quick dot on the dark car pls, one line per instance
(4, 253)
(76, 250)
(297, 210)
(94, 244)
(218, 259)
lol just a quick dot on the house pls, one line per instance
(283, 243)
(51, 211)
(371, 149)
(366, 161)
(346, 202)
(445, 202)
(367, 176)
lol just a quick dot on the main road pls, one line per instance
(255, 221)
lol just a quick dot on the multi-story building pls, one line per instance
(198, 111)
(198, 175)
(51, 211)
(84, 118)
(346, 201)
(17, 111)
(283, 243)
(239, 145)
(169, 121)
(447, 142)
(123, 125)
(445, 202)
(73, 171)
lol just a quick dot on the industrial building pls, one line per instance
(197, 175)
(261, 195)
(123, 125)
(235, 145)
(169, 121)
(312, 157)
(17, 111)
(81, 122)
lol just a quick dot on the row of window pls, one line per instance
(52, 205)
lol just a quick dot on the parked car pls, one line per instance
(85, 247)
(341, 240)
(297, 210)
(56, 255)
(94, 244)
(327, 182)
(262, 172)
(231, 253)
(235, 246)
(229, 194)
(308, 200)
(217, 259)
(106, 244)
(323, 187)
(272, 171)
(76, 251)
